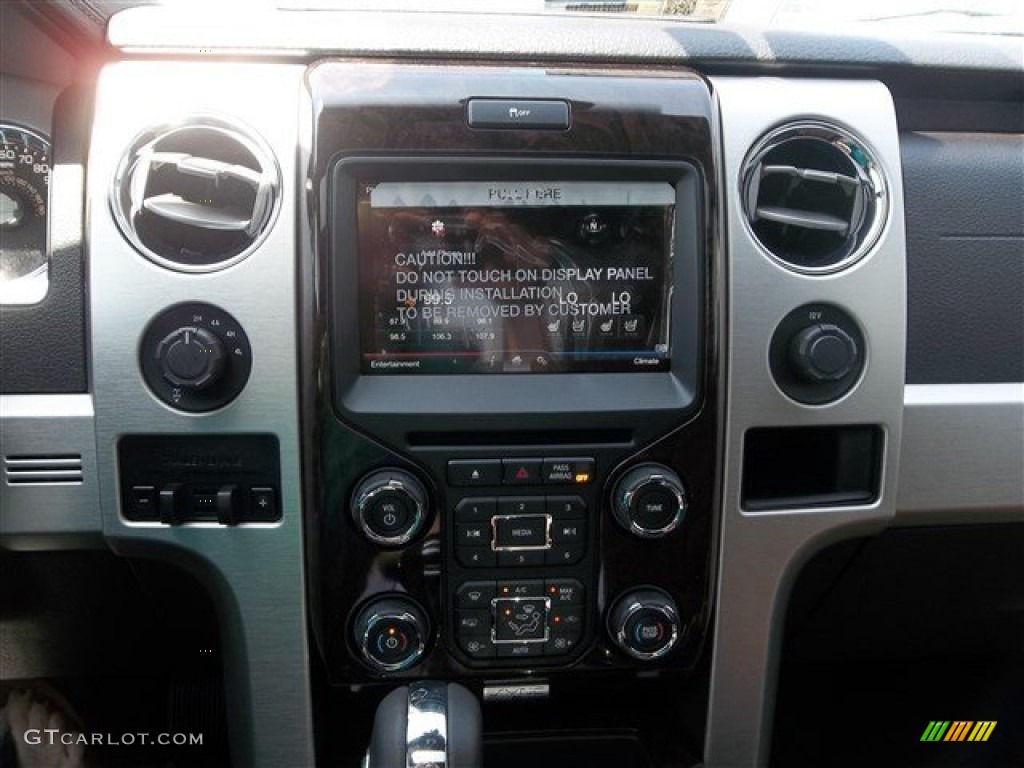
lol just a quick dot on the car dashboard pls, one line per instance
(636, 375)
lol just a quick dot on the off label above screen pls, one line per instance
(515, 277)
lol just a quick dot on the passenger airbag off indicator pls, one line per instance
(567, 471)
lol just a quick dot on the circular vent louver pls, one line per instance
(814, 196)
(197, 196)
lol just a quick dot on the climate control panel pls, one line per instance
(519, 618)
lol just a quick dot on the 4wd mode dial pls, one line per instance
(191, 357)
(195, 357)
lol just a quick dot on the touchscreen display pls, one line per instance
(514, 277)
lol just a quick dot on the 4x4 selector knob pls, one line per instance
(195, 357)
(649, 501)
(191, 357)
(390, 507)
(391, 633)
(645, 623)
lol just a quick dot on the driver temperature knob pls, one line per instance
(645, 624)
(391, 633)
(649, 501)
(389, 506)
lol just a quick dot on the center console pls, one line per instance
(513, 418)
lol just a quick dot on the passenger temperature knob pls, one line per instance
(389, 506)
(645, 624)
(649, 501)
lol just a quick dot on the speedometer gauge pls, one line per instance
(24, 201)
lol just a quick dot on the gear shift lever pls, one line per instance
(426, 724)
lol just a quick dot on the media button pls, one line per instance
(521, 531)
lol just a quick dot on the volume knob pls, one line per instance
(390, 507)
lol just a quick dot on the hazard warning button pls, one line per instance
(522, 471)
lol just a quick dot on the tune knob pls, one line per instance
(823, 352)
(389, 506)
(649, 501)
(645, 623)
(191, 357)
(391, 633)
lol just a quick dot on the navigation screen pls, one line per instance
(514, 277)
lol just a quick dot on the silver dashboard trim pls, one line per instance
(255, 574)
(963, 454)
(48, 516)
(761, 552)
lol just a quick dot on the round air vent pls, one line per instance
(197, 196)
(814, 196)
